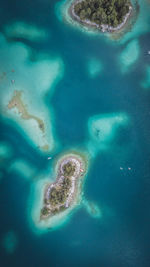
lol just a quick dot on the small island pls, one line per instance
(55, 198)
(105, 15)
(60, 195)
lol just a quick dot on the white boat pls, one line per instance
(49, 158)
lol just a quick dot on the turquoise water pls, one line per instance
(93, 95)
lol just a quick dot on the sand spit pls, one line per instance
(17, 102)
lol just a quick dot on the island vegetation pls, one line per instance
(102, 12)
(68, 169)
(59, 195)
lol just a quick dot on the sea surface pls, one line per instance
(101, 79)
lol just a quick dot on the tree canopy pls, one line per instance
(110, 12)
(58, 195)
(69, 169)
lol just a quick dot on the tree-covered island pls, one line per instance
(60, 195)
(107, 15)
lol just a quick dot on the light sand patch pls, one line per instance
(21, 29)
(103, 129)
(36, 79)
(24, 168)
(45, 147)
(92, 208)
(6, 153)
(5, 150)
(146, 82)
(17, 102)
(129, 55)
(94, 67)
(10, 242)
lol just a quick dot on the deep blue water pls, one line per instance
(121, 237)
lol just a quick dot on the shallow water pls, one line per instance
(116, 99)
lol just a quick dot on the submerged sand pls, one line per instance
(17, 102)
